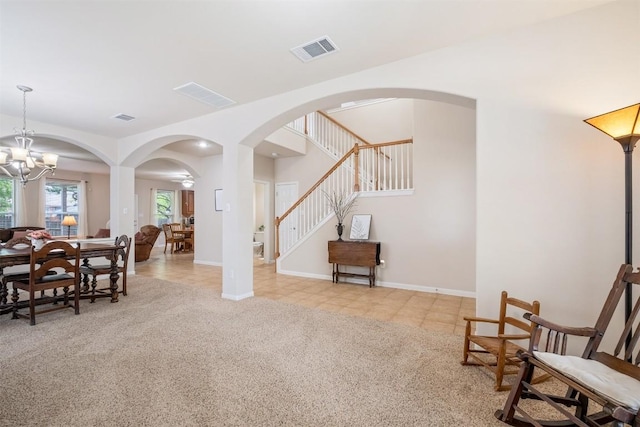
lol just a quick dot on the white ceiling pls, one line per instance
(88, 61)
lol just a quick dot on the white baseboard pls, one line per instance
(213, 263)
(404, 286)
(237, 297)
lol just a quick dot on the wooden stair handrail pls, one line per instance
(343, 127)
(316, 185)
(386, 144)
(346, 129)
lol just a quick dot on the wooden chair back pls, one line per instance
(121, 254)
(168, 232)
(58, 256)
(41, 263)
(512, 312)
(176, 229)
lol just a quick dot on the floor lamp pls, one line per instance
(69, 221)
(623, 125)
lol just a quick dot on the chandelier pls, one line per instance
(188, 182)
(21, 162)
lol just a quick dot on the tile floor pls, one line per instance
(425, 310)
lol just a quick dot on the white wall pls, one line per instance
(97, 197)
(427, 238)
(386, 121)
(550, 205)
(259, 218)
(208, 221)
(264, 174)
(143, 191)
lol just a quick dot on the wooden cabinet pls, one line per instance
(359, 254)
(187, 202)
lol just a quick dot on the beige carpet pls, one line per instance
(175, 355)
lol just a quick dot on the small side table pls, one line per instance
(354, 253)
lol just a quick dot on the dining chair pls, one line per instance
(170, 237)
(52, 256)
(177, 230)
(121, 256)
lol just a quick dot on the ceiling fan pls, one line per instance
(187, 181)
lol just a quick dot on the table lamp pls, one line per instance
(69, 221)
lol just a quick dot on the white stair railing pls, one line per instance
(375, 167)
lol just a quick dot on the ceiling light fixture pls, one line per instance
(188, 183)
(22, 161)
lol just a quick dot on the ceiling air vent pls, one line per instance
(202, 94)
(315, 49)
(124, 117)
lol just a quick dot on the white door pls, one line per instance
(286, 196)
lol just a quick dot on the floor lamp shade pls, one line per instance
(623, 125)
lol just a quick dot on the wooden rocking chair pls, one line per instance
(498, 352)
(611, 380)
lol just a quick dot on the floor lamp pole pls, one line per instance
(628, 224)
(623, 125)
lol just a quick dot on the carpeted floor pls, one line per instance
(175, 355)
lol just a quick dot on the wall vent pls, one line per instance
(202, 94)
(315, 49)
(124, 117)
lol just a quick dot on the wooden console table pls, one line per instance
(354, 253)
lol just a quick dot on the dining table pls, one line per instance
(188, 234)
(22, 256)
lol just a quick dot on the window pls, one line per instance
(164, 206)
(61, 199)
(7, 209)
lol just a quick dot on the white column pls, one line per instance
(122, 207)
(237, 222)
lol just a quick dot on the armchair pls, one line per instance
(101, 234)
(144, 240)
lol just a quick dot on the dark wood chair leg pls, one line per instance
(14, 299)
(94, 283)
(32, 308)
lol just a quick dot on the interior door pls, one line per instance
(286, 196)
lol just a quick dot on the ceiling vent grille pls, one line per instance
(124, 117)
(315, 49)
(202, 94)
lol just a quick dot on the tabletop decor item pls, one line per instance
(38, 238)
(341, 204)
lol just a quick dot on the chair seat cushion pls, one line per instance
(597, 377)
(56, 277)
(91, 268)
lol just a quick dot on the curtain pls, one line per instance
(83, 226)
(21, 204)
(177, 214)
(42, 182)
(153, 207)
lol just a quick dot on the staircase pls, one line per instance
(360, 168)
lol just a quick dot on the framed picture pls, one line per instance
(218, 200)
(360, 225)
